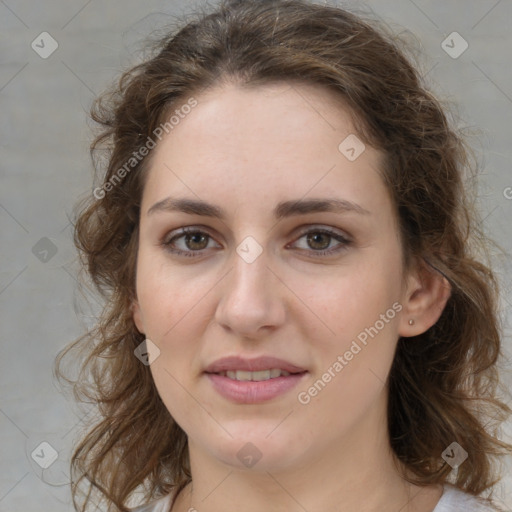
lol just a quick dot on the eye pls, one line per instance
(188, 241)
(319, 241)
(192, 241)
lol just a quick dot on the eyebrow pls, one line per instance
(282, 210)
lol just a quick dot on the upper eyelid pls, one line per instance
(302, 231)
(332, 232)
(298, 232)
(180, 232)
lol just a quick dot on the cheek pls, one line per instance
(350, 300)
(171, 383)
(172, 302)
(351, 367)
(170, 297)
(354, 343)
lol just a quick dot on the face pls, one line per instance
(291, 252)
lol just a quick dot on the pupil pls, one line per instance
(313, 239)
(194, 239)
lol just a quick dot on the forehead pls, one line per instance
(281, 138)
(278, 112)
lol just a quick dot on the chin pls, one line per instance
(255, 450)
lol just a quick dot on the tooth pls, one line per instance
(254, 376)
(261, 375)
(243, 375)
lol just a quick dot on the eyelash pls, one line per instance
(345, 242)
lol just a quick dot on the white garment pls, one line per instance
(160, 505)
(455, 500)
(452, 500)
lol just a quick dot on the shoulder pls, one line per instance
(455, 500)
(160, 505)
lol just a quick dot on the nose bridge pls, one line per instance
(250, 273)
(250, 269)
(250, 299)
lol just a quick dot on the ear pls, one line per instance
(137, 316)
(425, 298)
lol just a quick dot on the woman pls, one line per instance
(296, 314)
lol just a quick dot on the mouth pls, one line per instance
(251, 381)
(242, 375)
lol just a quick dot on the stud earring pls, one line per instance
(411, 322)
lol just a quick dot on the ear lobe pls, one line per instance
(137, 316)
(426, 296)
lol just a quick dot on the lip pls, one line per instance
(253, 392)
(251, 365)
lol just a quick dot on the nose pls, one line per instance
(252, 302)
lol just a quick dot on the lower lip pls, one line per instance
(253, 392)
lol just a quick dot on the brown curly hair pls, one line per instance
(443, 385)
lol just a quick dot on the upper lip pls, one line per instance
(251, 365)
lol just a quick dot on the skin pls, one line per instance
(246, 150)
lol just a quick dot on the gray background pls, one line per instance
(45, 167)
